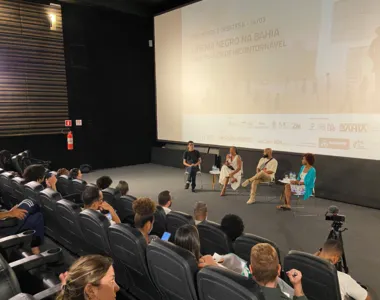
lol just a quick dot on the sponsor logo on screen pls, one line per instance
(353, 127)
(289, 125)
(359, 145)
(342, 144)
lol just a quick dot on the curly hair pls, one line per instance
(144, 209)
(233, 226)
(310, 158)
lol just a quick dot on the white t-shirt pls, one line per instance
(350, 288)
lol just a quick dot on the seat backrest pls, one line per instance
(78, 186)
(9, 285)
(32, 191)
(18, 188)
(244, 243)
(128, 247)
(23, 296)
(48, 201)
(173, 270)
(64, 185)
(159, 225)
(111, 196)
(94, 227)
(6, 189)
(124, 209)
(220, 283)
(213, 239)
(176, 219)
(319, 277)
(16, 163)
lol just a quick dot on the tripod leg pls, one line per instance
(344, 261)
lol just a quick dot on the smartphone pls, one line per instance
(166, 236)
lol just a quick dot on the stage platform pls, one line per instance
(289, 232)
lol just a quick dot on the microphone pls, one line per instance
(333, 210)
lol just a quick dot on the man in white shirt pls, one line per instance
(165, 201)
(349, 289)
(265, 172)
(200, 212)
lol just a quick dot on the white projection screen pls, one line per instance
(294, 75)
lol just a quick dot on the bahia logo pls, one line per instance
(353, 127)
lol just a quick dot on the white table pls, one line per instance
(214, 174)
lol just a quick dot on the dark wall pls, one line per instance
(110, 83)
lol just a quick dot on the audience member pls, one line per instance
(265, 269)
(92, 198)
(34, 173)
(29, 218)
(187, 237)
(6, 161)
(90, 277)
(75, 173)
(122, 187)
(51, 180)
(200, 212)
(144, 209)
(232, 226)
(165, 201)
(104, 182)
(63, 171)
(332, 251)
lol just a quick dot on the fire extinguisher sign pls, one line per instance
(68, 123)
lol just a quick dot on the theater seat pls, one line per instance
(48, 200)
(173, 270)
(68, 218)
(23, 296)
(32, 191)
(159, 225)
(9, 285)
(220, 283)
(94, 227)
(124, 209)
(6, 189)
(111, 196)
(17, 163)
(129, 250)
(176, 219)
(319, 277)
(78, 186)
(244, 243)
(64, 185)
(213, 239)
(18, 188)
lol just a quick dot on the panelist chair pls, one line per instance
(297, 209)
(199, 175)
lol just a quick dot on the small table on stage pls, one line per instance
(214, 174)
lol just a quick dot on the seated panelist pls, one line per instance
(265, 172)
(231, 171)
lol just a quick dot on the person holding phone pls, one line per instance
(231, 171)
(192, 161)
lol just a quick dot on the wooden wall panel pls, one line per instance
(33, 92)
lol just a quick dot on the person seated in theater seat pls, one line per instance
(200, 212)
(233, 226)
(231, 171)
(63, 171)
(192, 161)
(75, 173)
(122, 187)
(51, 180)
(89, 277)
(349, 289)
(265, 172)
(104, 182)
(34, 173)
(144, 209)
(265, 269)
(304, 185)
(29, 218)
(92, 198)
(165, 201)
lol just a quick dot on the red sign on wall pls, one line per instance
(68, 123)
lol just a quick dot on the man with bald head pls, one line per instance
(265, 172)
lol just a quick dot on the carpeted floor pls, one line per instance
(304, 233)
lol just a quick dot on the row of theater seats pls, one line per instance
(162, 270)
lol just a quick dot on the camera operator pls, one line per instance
(332, 251)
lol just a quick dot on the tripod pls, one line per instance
(336, 234)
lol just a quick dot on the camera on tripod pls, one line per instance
(332, 215)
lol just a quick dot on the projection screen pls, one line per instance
(295, 75)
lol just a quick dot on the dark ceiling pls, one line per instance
(139, 7)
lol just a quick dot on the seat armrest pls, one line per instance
(35, 261)
(76, 198)
(48, 293)
(21, 239)
(8, 222)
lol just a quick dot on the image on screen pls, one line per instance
(298, 76)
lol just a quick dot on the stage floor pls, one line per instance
(289, 232)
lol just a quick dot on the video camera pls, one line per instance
(332, 215)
